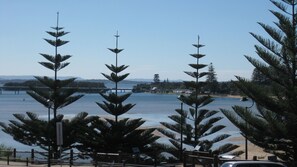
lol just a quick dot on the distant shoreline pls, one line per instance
(212, 95)
(229, 96)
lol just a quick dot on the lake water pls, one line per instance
(153, 108)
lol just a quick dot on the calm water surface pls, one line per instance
(153, 108)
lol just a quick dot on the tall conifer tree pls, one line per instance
(55, 94)
(117, 134)
(196, 123)
(273, 127)
(211, 79)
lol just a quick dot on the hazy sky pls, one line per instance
(157, 35)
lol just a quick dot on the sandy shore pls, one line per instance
(253, 150)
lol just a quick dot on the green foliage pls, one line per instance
(211, 80)
(31, 130)
(273, 127)
(162, 87)
(53, 94)
(114, 102)
(259, 78)
(113, 135)
(193, 126)
(109, 136)
(223, 88)
(156, 78)
(57, 93)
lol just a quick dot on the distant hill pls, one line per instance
(29, 77)
(12, 77)
(22, 78)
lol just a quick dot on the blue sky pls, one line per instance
(157, 35)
